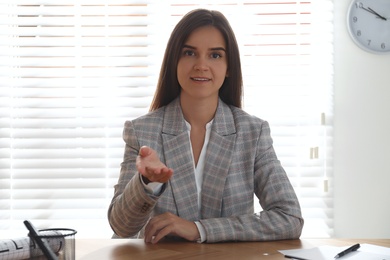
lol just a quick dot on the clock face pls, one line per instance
(369, 24)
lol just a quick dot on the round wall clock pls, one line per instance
(369, 25)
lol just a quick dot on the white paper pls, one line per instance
(24, 247)
(365, 252)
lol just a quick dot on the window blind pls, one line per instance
(71, 73)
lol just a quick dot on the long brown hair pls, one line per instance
(168, 87)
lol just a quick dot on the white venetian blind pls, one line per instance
(71, 73)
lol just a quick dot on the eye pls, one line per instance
(216, 55)
(188, 53)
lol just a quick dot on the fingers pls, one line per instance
(150, 166)
(158, 175)
(157, 228)
(170, 224)
(145, 151)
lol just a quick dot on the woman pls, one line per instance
(192, 165)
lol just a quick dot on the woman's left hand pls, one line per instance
(170, 224)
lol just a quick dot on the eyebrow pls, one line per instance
(213, 49)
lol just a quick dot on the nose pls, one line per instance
(201, 64)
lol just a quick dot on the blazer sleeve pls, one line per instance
(281, 216)
(131, 205)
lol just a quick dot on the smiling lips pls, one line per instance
(199, 79)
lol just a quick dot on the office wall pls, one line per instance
(361, 137)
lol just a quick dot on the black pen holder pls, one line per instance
(60, 240)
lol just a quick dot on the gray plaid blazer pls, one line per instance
(240, 162)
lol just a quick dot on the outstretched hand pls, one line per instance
(150, 166)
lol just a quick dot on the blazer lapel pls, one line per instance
(219, 153)
(178, 156)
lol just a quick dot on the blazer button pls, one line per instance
(145, 207)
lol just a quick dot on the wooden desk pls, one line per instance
(117, 249)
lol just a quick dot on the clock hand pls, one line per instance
(380, 16)
(373, 12)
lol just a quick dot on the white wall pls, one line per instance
(362, 137)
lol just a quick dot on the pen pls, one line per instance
(348, 250)
(41, 242)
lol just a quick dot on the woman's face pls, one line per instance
(202, 65)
